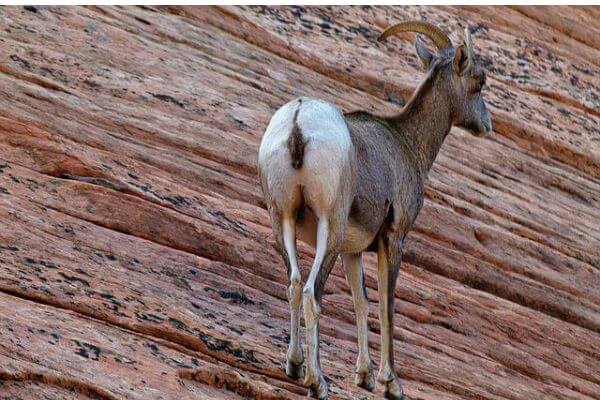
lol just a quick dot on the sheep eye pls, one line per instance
(478, 83)
(476, 87)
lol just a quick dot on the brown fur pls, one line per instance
(296, 141)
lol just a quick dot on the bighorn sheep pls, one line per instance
(354, 182)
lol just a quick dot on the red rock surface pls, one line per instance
(136, 259)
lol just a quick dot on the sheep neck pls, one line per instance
(425, 120)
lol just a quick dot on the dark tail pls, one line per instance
(296, 141)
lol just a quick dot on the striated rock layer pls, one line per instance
(136, 258)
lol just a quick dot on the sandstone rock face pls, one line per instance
(136, 257)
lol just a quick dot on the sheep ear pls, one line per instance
(461, 62)
(423, 52)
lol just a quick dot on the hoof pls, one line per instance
(293, 370)
(393, 390)
(318, 389)
(365, 380)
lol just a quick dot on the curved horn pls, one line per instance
(469, 44)
(439, 38)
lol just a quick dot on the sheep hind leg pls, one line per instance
(295, 358)
(326, 254)
(284, 230)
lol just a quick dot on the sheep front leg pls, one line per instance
(353, 269)
(388, 264)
